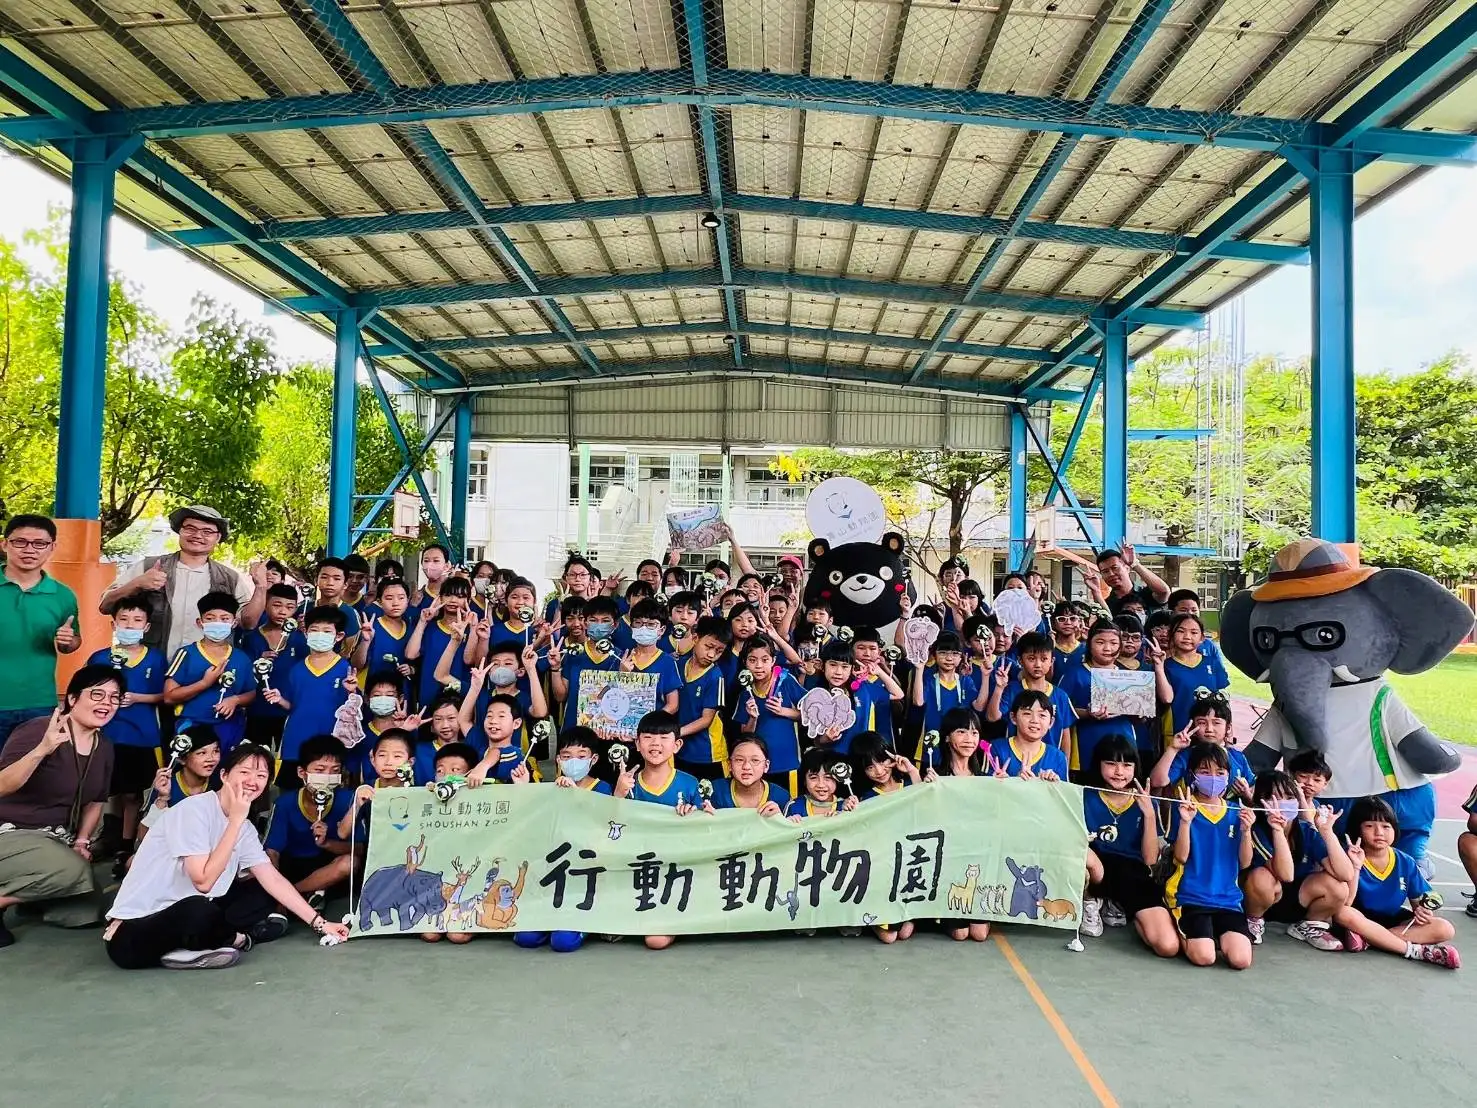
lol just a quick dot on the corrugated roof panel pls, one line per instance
(818, 252)
(518, 316)
(592, 151)
(576, 251)
(531, 246)
(115, 66)
(378, 29)
(522, 158)
(876, 252)
(834, 163)
(465, 254)
(934, 258)
(545, 37)
(275, 46)
(1038, 43)
(853, 38)
(1127, 168)
(683, 243)
(1207, 177)
(462, 140)
(901, 320)
(766, 241)
(634, 35)
(766, 35)
(903, 165)
(764, 145)
(941, 45)
(629, 244)
(1228, 52)
(458, 40)
(188, 51)
(977, 164)
(662, 147)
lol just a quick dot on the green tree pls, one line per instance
(928, 519)
(30, 385)
(293, 464)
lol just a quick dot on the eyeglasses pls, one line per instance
(100, 695)
(199, 532)
(30, 544)
(1312, 636)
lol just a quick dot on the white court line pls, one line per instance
(1443, 857)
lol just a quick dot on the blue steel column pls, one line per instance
(1017, 487)
(1331, 196)
(461, 467)
(85, 329)
(342, 433)
(1115, 433)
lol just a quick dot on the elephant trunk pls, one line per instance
(1302, 680)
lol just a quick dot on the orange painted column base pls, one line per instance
(77, 563)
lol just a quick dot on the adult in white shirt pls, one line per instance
(181, 905)
(172, 585)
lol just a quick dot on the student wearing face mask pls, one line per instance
(315, 689)
(210, 681)
(648, 627)
(583, 652)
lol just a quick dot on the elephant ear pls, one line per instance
(1236, 634)
(1430, 620)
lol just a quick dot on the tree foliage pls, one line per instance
(926, 492)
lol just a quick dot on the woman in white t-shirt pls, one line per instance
(181, 905)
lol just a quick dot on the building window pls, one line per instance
(763, 486)
(605, 470)
(475, 554)
(477, 477)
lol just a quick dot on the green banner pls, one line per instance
(542, 858)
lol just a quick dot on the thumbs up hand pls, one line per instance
(66, 636)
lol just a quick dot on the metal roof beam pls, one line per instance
(200, 204)
(1145, 23)
(429, 296)
(747, 327)
(952, 223)
(728, 88)
(1408, 80)
(767, 367)
(347, 39)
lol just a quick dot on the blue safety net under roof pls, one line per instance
(938, 194)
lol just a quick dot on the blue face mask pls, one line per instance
(576, 769)
(503, 676)
(1208, 784)
(216, 631)
(646, 636)
(128, 636)
(1287, 807)
(600, 630)
(320, 642)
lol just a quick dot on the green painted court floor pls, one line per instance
(775, 1020)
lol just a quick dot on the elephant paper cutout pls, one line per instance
(919, 635)
(1323, 630)
(821, 710)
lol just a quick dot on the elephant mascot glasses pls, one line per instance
(1322, 630)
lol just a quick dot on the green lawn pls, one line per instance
(1444, 698)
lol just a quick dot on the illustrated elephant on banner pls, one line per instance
(1323, 630)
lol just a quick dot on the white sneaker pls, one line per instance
(1092, 917)
(1257, 926)
(1315, 935)
(219, 958)
(1114, 915)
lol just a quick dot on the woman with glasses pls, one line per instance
(54, 777)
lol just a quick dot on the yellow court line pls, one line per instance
(1089, 1074)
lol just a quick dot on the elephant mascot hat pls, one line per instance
(1322, 630)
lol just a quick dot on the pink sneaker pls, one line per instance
(1315, 936)
(1355, 943)
(1439, 954)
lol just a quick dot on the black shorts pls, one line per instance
(1390, 923)
(297, 869)
(1288, 909)
(134, 768)
(1211, 923)
(1127, 881)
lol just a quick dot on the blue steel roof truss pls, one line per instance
(711, 91)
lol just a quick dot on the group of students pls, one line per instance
(1188, 845)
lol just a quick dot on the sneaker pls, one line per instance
(1439, 954)
(1355, 943)
(1471, 905)
(317, 900)
(1114, 915)
(1092, 917)
(1256, 927)
(1319, 938)
(270, 929)
(219, 958)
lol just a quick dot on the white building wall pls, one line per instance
(524, 515)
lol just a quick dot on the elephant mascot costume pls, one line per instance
(1322, 629)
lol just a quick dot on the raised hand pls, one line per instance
(529, 658)
(1188, 809)
(1183, 738)
(1355, 851)
(1324, 817)
(1142, 798)
(625, 784)
(520, 774)
(66, 635)
(628, 662)
(234, 802)
(1246, 818)
(153, 580)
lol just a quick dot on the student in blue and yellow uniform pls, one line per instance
(875, 702)
(1188, 671)
(384, 708)
(1393, 893)
(302, 840)
(1102, 651)
(442, 728)
(439, 625)
(505, 673)
(1067, 647)
(134, 728)
(578, 753)
(939, 687)
(878, 769)
(210, 681)
(387, 755)
(505, 759)
(769, 711)
(659, 781)
(385, 637)
(747, 787)
(1123, 820)
(648, 624)
(1131, 656)
(820, 792)
(636, 592)
(435, 565)
(1033, 652)
(332, 581)
(1211, 839)
(837, 672)
(195, 772)
(272, 640)
(578, 655)
(700, 700)
(315, 689)
(1026, 751)
(1210, 721)
(521, 596)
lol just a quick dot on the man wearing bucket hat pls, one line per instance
(172, 585)
(1322, 630)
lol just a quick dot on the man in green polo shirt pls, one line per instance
(38, 621)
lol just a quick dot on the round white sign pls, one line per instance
(843, 509)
